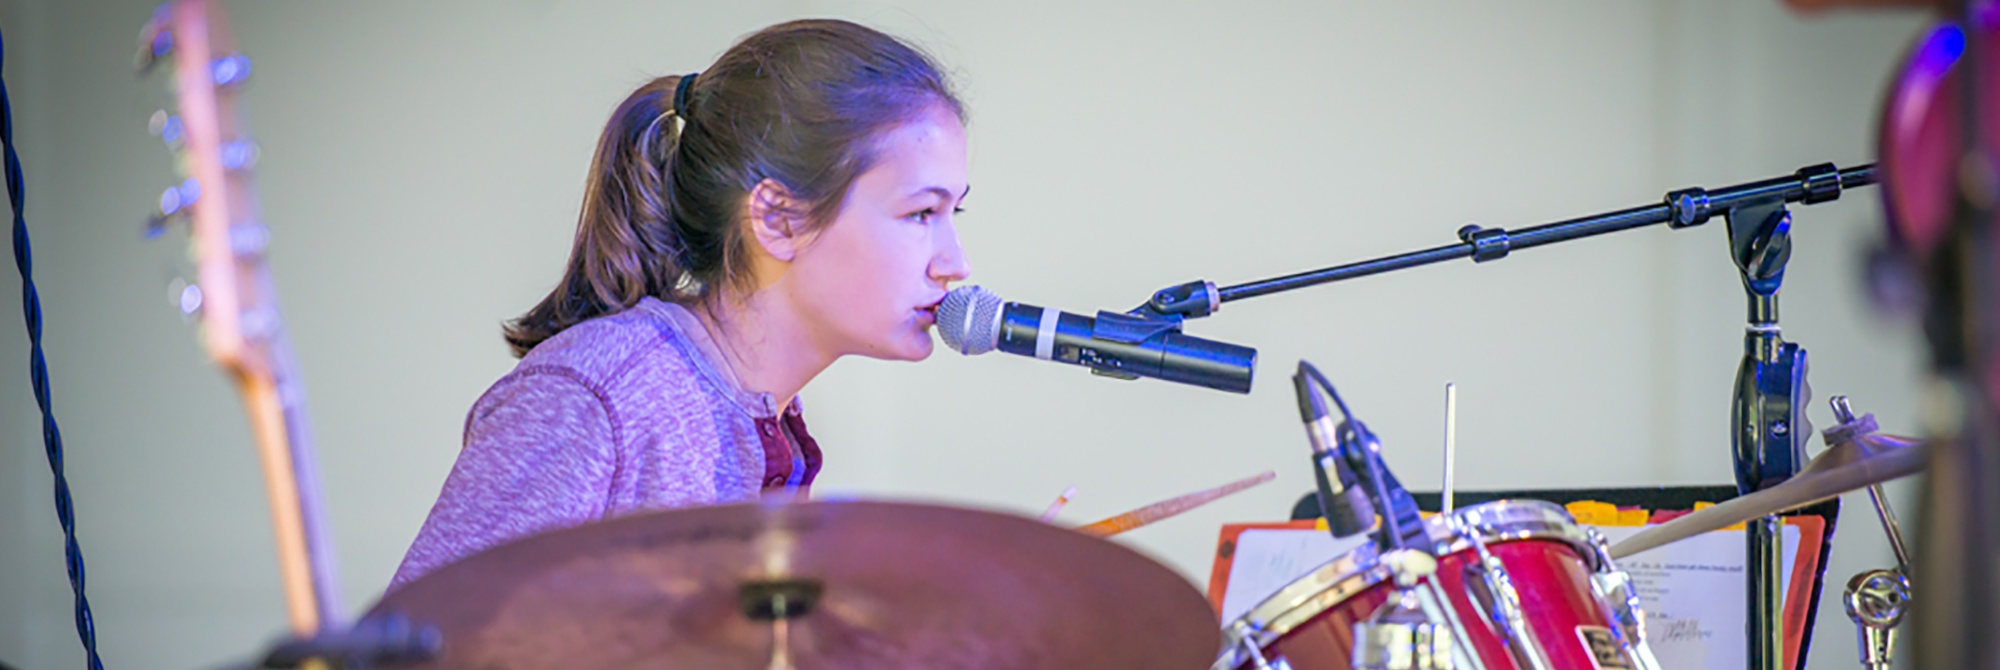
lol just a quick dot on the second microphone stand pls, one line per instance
(1768, 412)
(1768, 426)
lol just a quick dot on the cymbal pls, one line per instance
(849, 584)
(1847, 466)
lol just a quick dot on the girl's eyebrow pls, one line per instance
(942, 192)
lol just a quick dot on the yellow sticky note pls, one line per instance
(1632, 517)
(1593, 512)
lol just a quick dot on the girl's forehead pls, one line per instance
(926, 153)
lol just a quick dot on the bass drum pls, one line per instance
(1575, 609)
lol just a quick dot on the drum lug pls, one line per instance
(1253, 652)
(1401, 635)
(1621, 603)
(1494, 592)
(1614, 589)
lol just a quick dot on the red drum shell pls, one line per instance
(1551, 575)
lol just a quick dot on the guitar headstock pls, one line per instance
(236, 299)
(215, 196)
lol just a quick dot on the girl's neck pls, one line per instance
(769, 349)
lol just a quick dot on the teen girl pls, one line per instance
(742, 228)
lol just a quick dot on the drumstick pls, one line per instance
(1170, 507)
(1450, 443)
(1848, 466)
(1057, 506)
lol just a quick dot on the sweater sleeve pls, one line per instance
(540, 452)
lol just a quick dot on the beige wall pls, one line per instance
(422, 166)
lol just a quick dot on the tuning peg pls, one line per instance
(167, 127)
(185, 296)
(178, 198)
(155, 42)
(230, 70)
(155, 226)
(240, 155)
(173, 201)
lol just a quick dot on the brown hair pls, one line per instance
(799, 103)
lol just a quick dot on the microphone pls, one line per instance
(1341, 500)
(972, 321)
(1402, 523)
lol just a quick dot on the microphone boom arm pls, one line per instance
(1684, 208)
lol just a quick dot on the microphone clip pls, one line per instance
(1131, 328)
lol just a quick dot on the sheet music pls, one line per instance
(1693, 593)
(1268, 559)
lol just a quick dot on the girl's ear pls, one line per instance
(776, 219)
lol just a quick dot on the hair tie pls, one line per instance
(681, 94)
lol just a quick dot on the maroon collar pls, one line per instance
(778, 454)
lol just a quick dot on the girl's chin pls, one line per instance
(915, 345)
(918, 349)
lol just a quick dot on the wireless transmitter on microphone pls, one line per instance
(972, 321)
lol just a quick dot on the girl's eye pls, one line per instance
(925, 215)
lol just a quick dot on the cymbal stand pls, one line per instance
(1843, 411)
(1877, 599)
(778, 601)
(377, 641)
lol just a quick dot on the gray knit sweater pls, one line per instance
(624, 413)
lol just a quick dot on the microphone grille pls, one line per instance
(968, 320)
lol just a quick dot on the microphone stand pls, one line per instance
(1768, 412)
(1768, 405)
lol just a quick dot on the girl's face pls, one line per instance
(869, 282)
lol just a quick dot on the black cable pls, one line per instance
(31, 310)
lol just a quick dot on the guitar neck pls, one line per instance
(267, 427)
(300, 447)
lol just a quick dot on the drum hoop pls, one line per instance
(1340, 579)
